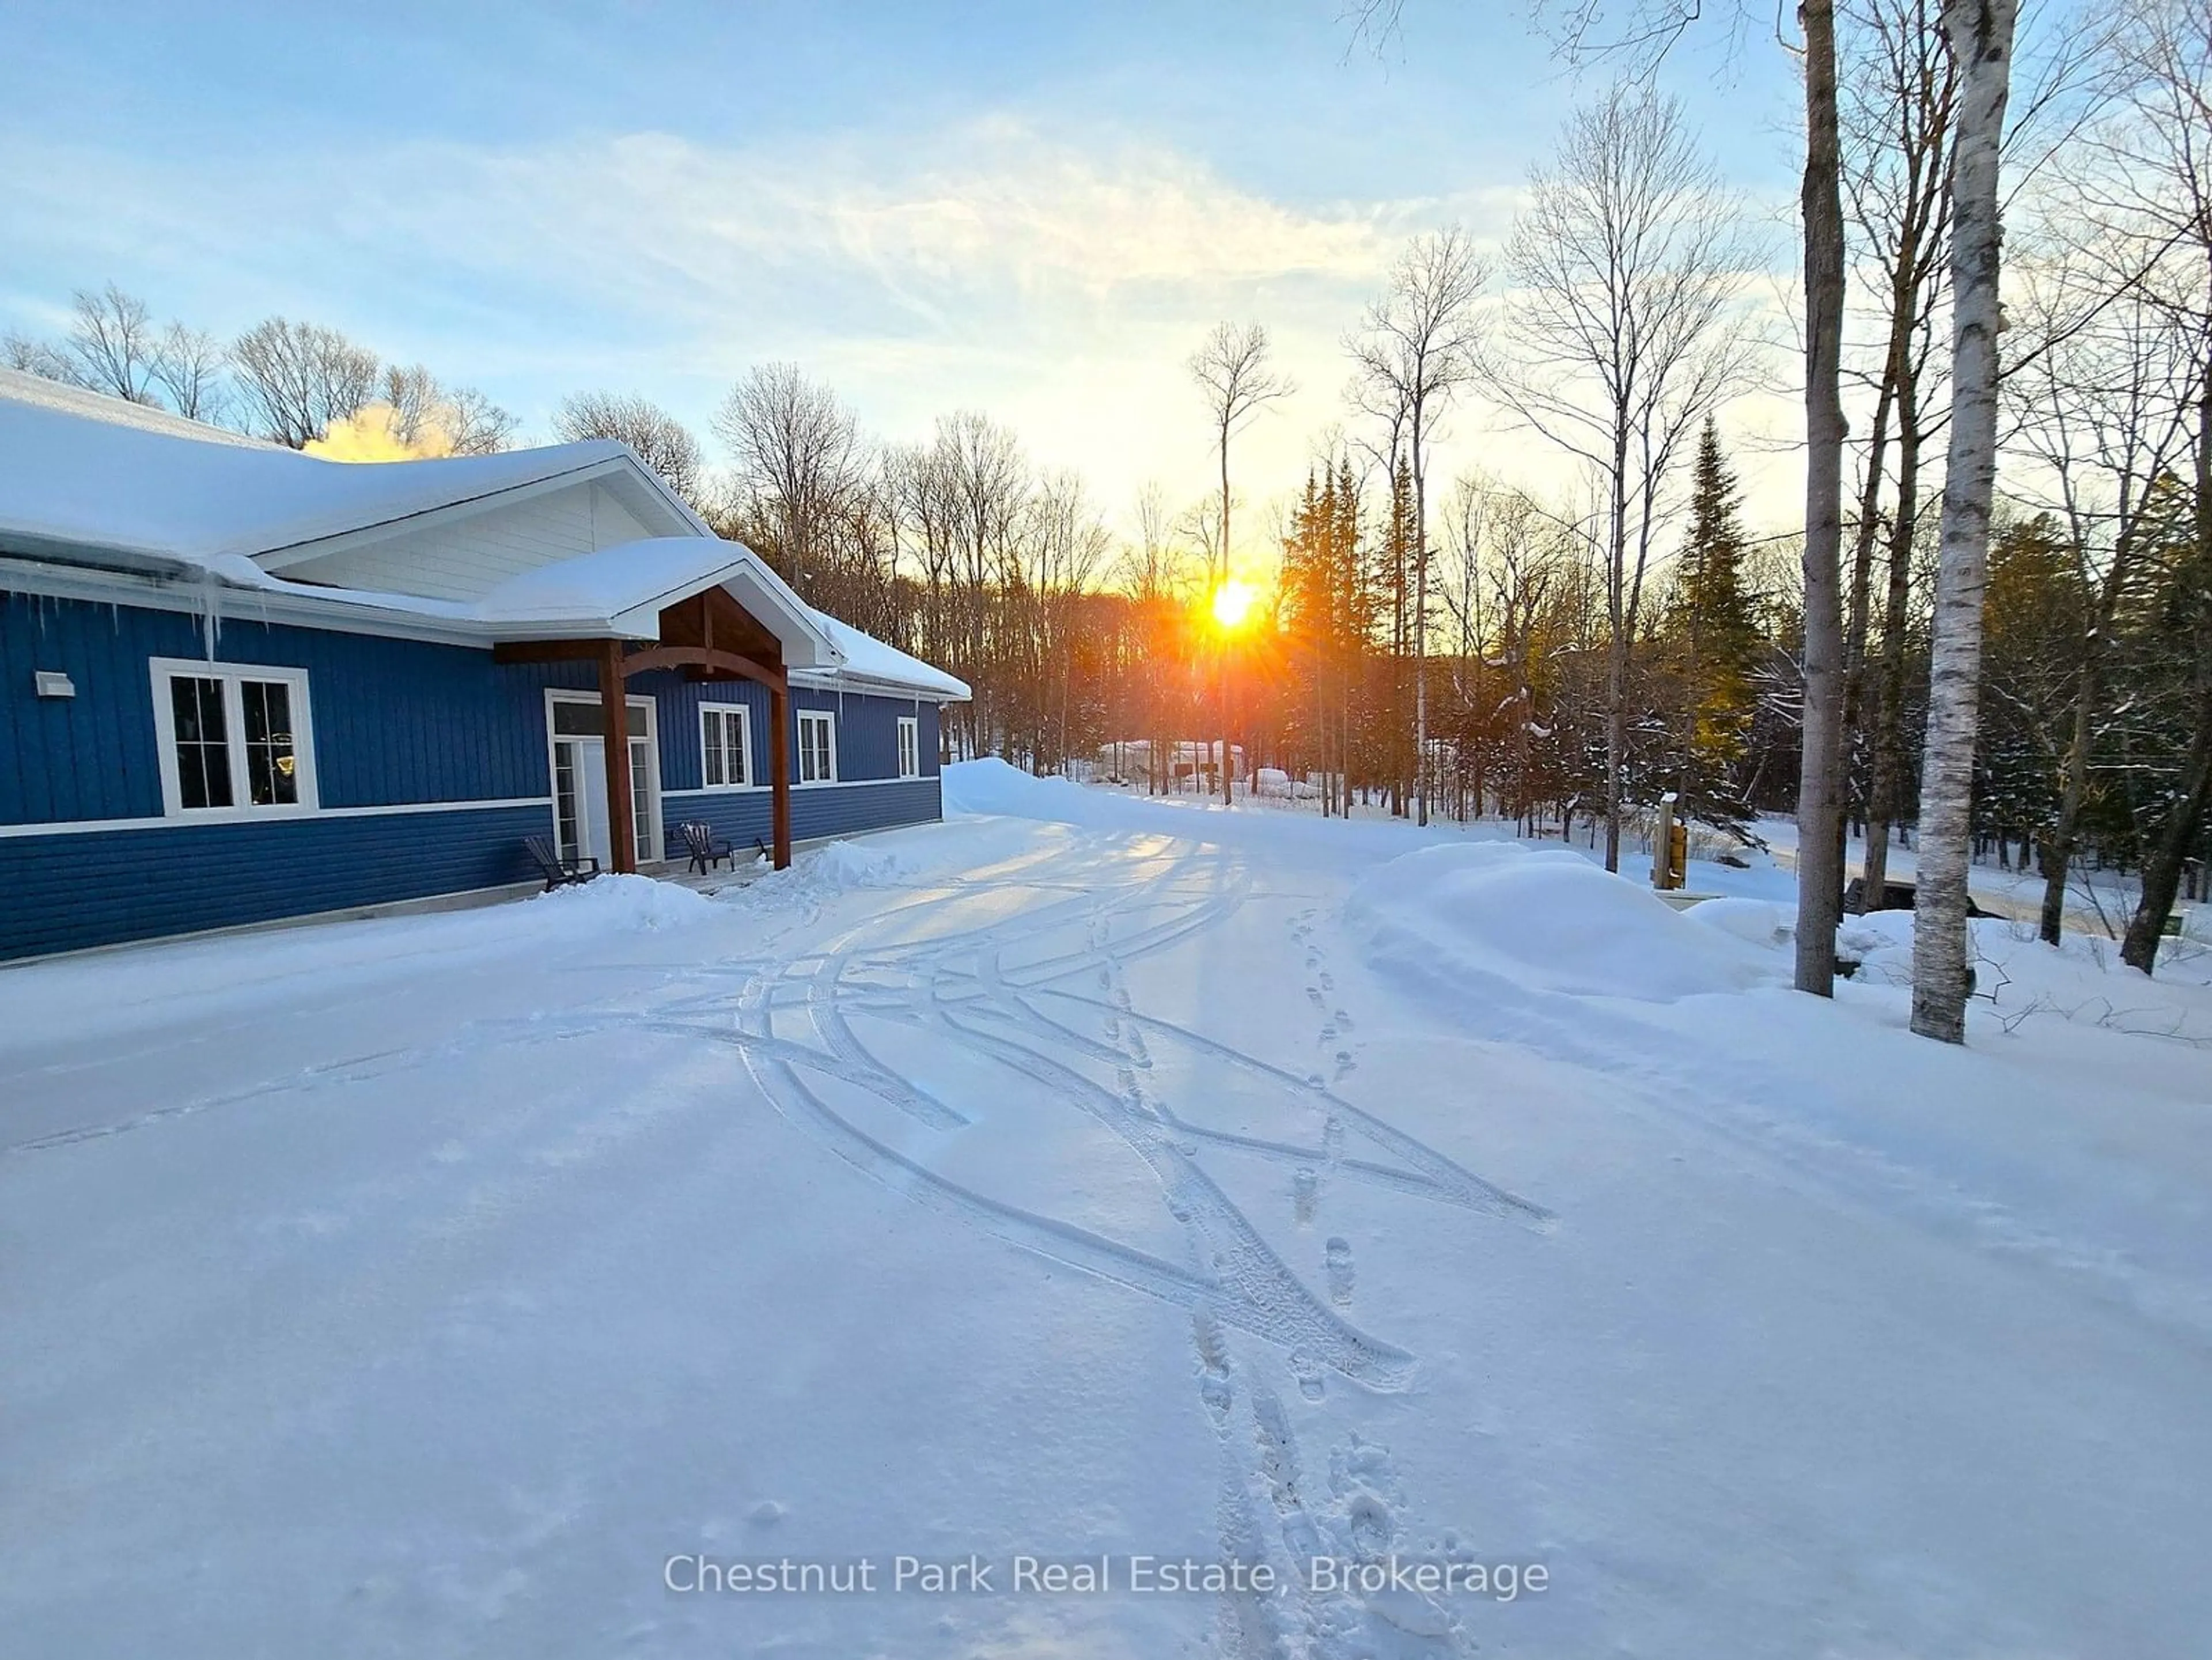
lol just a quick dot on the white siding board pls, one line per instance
(467, 558)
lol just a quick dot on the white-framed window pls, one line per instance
(818, 747)
(909, 746)
(726, 745)
(234, 738)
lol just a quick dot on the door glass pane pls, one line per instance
(271, 761)
(640, 800)
(202, 742)
(564, 799)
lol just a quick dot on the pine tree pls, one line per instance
(1713, 641)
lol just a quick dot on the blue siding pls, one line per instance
(396, 722)
(837, 810)
(64, 892)
(867, 726)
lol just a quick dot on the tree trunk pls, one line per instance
(1819, 847)
(1616, 665)
(2162, 873)
(1228, 797)
(1980, 36)
(1421, 634)
(2058, 851)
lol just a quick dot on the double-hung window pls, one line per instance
(726, 738)
(234, 738)
(909, 746)
(818, 747)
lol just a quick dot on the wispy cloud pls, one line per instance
(1057, 279)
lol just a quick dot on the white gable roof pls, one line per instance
(140, 487)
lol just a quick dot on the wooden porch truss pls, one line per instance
(710, 637)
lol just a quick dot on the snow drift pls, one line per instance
(1546, 921)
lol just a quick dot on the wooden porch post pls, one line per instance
(779, 749)
(614, 704)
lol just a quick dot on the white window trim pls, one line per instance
(829, 720)
(649, 835)
(743, 714)
(162, 670)
(910, 732)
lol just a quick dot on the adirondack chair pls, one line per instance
(558, 872)
(707, 848)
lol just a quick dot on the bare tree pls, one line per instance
(189, 366)
(1417, 353)
(40, 357)
(296, 379)
(1898, 89)
(1980, 36)
(112, 338)
(798, 458)
(661, 441)
(1233, 372)
(2102, 407)
(1623, 335)
(428, 416)
(2165, 153)
(476, 425)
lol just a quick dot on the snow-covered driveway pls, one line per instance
(1079, 1190)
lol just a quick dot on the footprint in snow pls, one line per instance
(1336, 1257)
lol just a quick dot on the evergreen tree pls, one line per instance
(1713, 642)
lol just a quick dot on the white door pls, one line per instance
(592, 774)
(581, 819)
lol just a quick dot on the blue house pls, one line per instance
(239, 683)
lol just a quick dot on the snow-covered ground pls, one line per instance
(1094, 1177)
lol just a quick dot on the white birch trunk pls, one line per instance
(1980, 35)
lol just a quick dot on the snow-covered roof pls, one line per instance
(87, 480)
(160, 491)
(868, 659)
(16, 386)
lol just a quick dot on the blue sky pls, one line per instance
(1036, 209)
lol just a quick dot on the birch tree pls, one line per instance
(1979, 33)
(1418, 350)
(1622, 335)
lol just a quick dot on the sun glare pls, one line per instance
(1233, 604)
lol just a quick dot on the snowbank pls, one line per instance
(1756, 921)
(1546, 921)
(991, 785)
(630, 903)
(844, 865)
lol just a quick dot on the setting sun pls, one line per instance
(1233, 604)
